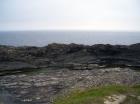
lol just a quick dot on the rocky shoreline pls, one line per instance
(36, 75)
(72, 56)
(42, 87)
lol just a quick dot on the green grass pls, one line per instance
(97, 95)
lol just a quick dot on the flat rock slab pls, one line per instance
(15, 65)
(115, 99)
(41, 87)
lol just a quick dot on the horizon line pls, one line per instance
(69, 30)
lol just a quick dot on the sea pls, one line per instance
(43, 38)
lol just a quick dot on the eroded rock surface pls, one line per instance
(70, 56)
(36, 75)
(43, 86)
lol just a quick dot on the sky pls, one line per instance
(110, 15)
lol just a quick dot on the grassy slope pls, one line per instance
(96, 95)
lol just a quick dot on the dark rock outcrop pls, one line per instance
(69, 55)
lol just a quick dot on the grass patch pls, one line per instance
(97, 95)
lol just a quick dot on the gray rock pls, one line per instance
(15, 65)
(59, 55)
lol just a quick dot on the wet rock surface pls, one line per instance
(43, 86)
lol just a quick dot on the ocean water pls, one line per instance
(42, 38)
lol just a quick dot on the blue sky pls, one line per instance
(114, 15)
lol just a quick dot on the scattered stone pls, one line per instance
(115, 99)
(27, 100)
(138, 97)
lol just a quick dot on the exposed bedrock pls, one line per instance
(74, 56)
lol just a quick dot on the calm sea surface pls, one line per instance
(42, 38)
